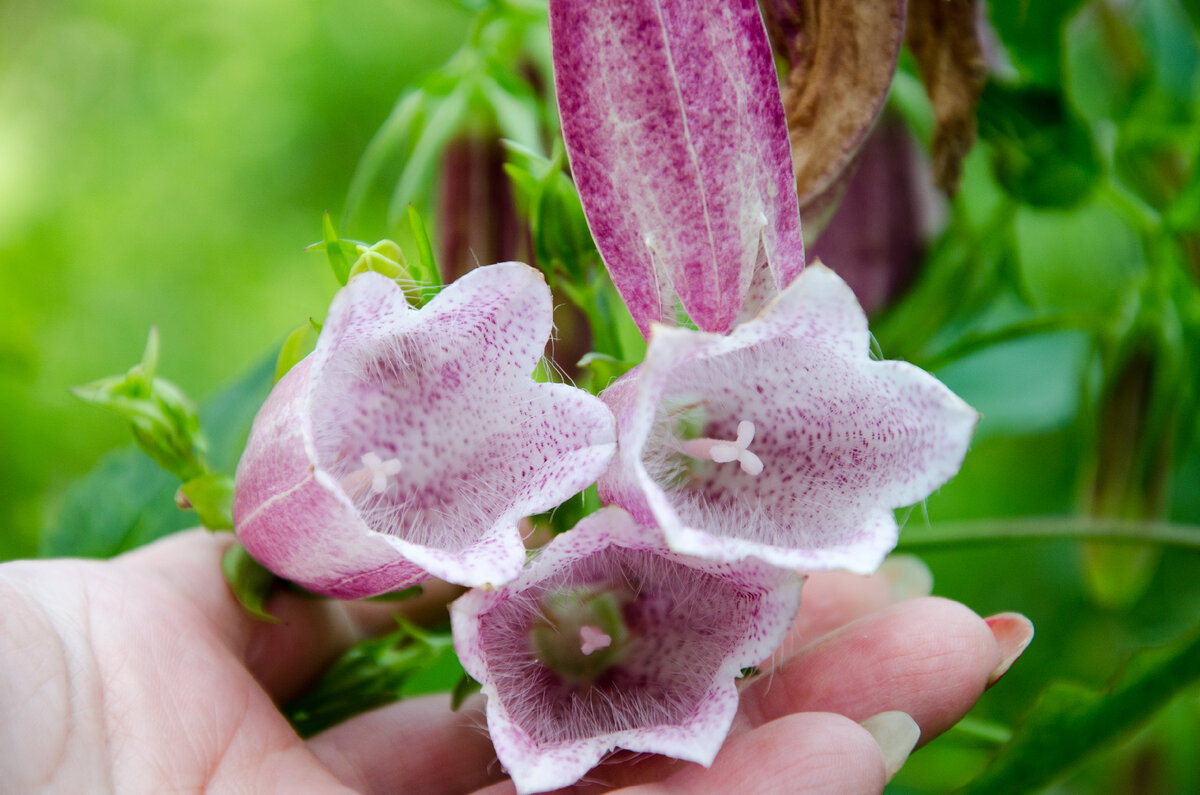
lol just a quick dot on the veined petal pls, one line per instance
(412, 442)
(841, 439)
(693, 626)
(674, 125)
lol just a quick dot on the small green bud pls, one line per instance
(164, 421)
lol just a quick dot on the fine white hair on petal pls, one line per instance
(412, 441)
(692, 626)
(839, 439)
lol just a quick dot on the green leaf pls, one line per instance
(127, 500)
(1070, 723)
(124, 502)
(464, 689)
(396, 133)
(1033, 32)
(445, 119)
(371, 674)
(1041, 154)
(293, 350)
(338, 251)
(250, 581)
(427, 272)
(211, 497)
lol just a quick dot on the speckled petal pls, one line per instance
(412, 441)
(843, 439)
(700, 622)
(675, 129)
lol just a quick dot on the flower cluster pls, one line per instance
(733, 458)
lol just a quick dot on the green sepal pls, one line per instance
(372, 673)
(211, 497)
(294, 349)
(601, 370)
(250, 581)
(338, 251)
(464, 688)
(426, 273)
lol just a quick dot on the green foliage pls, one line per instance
(128, 501)
(250, 582)
(1042, 154)
(1070, 722)
(373, 673)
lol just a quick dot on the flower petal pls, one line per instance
(843, 439)
(698, 625)
(412, 441)
(673, 122)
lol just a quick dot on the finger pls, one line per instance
(808, 753)
(930, 658)
(811, 753)
(311, 632)
(413, 746)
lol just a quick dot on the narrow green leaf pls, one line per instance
(1049, 528)
(464, 689)
(428, 273)
(293, 350)
(250, 581)
(396, 133)
(211, 497)
(443, 122)
(333, 249)
(1070, 723)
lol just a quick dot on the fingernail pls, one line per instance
(907, 576)
(1013, 633)
(897, 734)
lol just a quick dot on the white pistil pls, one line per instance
(374, 473)
(380, 470)
(592, 639)
(723, 452)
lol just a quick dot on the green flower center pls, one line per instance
(580, 634)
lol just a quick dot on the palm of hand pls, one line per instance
(143, 674)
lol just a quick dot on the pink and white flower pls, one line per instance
(769, 433)
(411, 442)
(783, 440)
(608, 640)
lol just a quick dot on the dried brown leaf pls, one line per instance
(841, 57)
(944, 37)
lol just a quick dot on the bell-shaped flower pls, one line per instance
(673, 121)
(608, 640)
(783, 440)
(411, 442)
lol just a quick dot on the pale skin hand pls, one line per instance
(144, 675)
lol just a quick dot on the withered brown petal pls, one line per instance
(842, 57)
(944, 38)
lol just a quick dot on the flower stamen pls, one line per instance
(723, 452)
(374, 473)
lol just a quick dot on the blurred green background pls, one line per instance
(166, 165)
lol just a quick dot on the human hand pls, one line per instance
(144, 674)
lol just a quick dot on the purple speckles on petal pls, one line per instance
(839, 440)
(412, 441)
(693, 625)
(674, 125)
